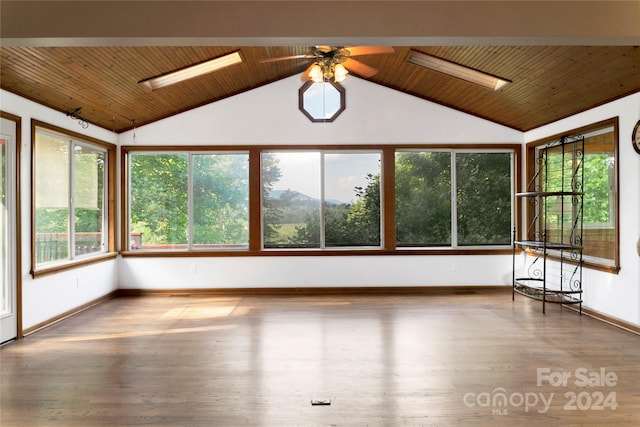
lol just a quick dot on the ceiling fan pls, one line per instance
(333, 63)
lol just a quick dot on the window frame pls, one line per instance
(308, 85)
(322, 177)
(387, 209)
(191, 247)
(453, 173)
(109, 208)
(531, 147)
(15, 272)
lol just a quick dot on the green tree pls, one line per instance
(423, 198)
(483, 195)
(361, 224)
(220, 199)
(356, 224)
(89, 196)
(158, 194)
(159, 197)
(307, 235)
(272, 208)
(597, 170)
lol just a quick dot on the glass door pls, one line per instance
(8, 300)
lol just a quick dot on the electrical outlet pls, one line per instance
(454, 266)
(192, 268)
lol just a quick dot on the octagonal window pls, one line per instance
(321, 102)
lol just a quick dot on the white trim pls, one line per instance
(9, 308)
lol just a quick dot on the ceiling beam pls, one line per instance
(312, 22)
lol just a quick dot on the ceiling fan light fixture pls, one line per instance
(192, 71)
(339, 73)
(456, 70)
(316, 75)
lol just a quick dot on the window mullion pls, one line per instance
(512, 162)
(190, 201)
(256, 220)
(72, 180)
(104, 204)
(454, 202)
(388, 200)
(125, 242)
(322, 205)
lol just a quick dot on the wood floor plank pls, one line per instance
(383, 360)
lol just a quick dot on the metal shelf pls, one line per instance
(548, 245)
(559, 165)
(549, 193)
(548, 295)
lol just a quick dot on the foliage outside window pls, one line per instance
(299, 199)
(188, 201)
(423, 198)
(321, 199)
(70, 194)
(453, 198)
(600, 204)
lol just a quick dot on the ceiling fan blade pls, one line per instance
(359, 68)
(369, 50)
(285, 58)
(305, 76)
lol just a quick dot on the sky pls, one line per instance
(322, 101)
(301, 172)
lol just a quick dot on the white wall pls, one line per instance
(314, 271)
(49, 296)
(270, 115)
(618, 295)
(374, 114)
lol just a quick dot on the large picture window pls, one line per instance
(70, 194)
(294, 200)
(315, 199)
(188, 201)
(453, 198)
(600, 201)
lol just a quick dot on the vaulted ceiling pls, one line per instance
(51, 62)
(548, 83)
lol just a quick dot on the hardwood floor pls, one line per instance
(383, 360)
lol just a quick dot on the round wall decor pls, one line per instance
(635, 137)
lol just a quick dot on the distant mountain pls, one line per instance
(299, 199)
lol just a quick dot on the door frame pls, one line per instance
(18, 220)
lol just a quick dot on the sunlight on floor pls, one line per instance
(198, 312)
(147, 333)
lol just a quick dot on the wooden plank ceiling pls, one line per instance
(548, 82)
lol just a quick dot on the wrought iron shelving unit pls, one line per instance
(554, 196)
